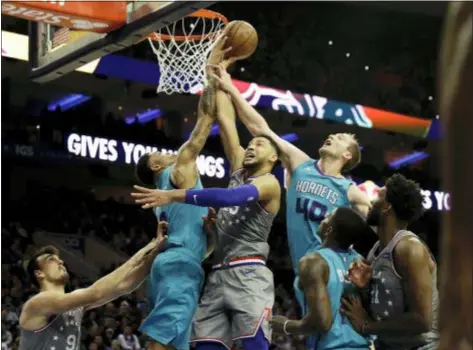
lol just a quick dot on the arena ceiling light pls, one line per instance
(144, 117)
(408, 160)
(292, 137)
(68, 102)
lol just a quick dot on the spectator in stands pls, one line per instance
(128, 340)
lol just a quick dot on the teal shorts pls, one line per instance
(174, 287)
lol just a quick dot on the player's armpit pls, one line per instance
(359, 200)
(412, 261)
(313, 276)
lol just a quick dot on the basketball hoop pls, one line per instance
(182, 49)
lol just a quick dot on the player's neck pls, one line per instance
(330, 166)
(52, 287)
(387, 232)
(333, 244)
(255, 172)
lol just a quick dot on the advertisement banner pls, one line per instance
(303, 105)
(129, 153)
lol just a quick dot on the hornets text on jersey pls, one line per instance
(311, 197)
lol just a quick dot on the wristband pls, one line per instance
(284, 328)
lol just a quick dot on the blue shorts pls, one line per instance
(174, 286)
(310, 341)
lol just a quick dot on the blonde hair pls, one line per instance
(354, 149)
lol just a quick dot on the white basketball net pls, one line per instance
(182, 63)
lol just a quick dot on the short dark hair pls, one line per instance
(355, 151)
(32, 264)
(348, 227)
(143, 172)
(274, 146)
(405, 198)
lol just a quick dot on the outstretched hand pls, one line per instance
(218, 53)
(221, 78)
(277, 323)
(149, 198)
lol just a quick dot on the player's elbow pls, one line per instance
(324, 325)
(320, 324)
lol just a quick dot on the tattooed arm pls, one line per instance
(184, 173)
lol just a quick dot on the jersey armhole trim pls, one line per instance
(173, 185)
(46, 326)
(309, 161)
(393, 265)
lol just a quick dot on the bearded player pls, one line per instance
(239, 294)
(52, 318)
(316, 188)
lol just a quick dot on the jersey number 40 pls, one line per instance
(312, 210)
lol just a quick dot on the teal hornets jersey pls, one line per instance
(341, 335)
(311, 197)
(185, 221)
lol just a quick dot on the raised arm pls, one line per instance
(291, 156)
(313, 279)
(359, 200)
(264, 189)
(184, 173)
(121, 281)
(228, 131)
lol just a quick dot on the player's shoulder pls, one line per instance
(313, 265)
(410, 245)
(311, 260)
(33, 306)
(308, 165)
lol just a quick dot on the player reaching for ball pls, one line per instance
(177, 276)
(316, 188)
(238, 298)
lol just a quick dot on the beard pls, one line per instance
(374, 216)
(251, 165)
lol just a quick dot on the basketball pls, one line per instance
(243, 39)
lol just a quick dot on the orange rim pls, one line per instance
(203, 13)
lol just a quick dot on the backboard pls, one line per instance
(65, 35)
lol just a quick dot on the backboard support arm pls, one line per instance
(91, 47)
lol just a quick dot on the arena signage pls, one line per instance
(304, 105)
(436, 200)
(114, 151)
